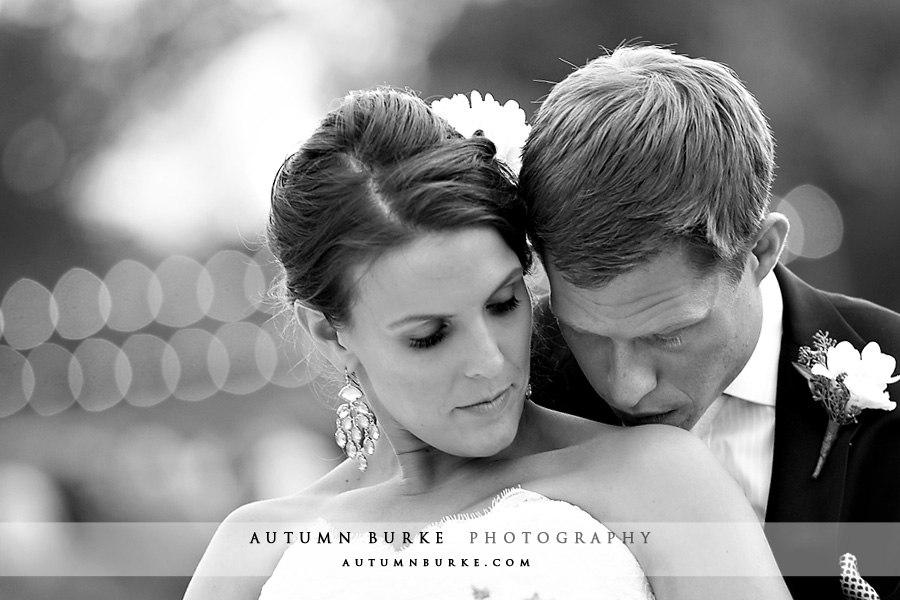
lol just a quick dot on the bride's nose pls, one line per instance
(484, 356)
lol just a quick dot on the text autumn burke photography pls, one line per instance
(423, 547)
(408, 538)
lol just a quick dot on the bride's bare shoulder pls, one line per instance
(657, 451)
(656, 469)
(645, 439)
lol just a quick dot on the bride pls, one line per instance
(403, 250)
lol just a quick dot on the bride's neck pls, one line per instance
(422, 468)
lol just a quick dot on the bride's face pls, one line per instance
(441, 330)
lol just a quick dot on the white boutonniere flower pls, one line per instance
(502, 124)
(846, 382)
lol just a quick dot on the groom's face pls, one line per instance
(660, 343)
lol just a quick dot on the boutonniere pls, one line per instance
(846, 382)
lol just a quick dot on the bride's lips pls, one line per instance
(488, 404)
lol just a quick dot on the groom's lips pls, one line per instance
(649, 418)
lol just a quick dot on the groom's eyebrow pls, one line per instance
(685, 323)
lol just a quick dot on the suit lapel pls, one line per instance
(800, 422)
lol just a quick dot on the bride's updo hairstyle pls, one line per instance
(379, 171)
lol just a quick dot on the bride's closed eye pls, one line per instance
(432, 339)
(505, 306)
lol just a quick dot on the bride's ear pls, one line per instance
(324, 336)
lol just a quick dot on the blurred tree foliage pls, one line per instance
(71, 73)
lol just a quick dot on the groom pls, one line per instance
(647, 176)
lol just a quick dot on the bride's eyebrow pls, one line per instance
(416, 319)
(510, 279)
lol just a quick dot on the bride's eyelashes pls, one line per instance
(506, 306)
(430, 340)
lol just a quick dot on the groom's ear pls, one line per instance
(770, 243)
(325, 336)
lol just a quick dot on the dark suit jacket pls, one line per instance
(860, 481)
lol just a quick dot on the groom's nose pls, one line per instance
(631, 375)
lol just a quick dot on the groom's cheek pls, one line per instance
(591, 359)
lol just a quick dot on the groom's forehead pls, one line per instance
(661, 294)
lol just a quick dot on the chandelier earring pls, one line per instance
(356, 426)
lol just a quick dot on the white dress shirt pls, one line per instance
(739, 426)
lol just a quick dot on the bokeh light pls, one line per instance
(155, 367)
(204, 363)
(103, 374)
(135, 295)
(248, 368)
(241, 356)
(229, 271)
(30, 314)
(817, 226)
(52, 393)
(186, 291)
(14, 383)
(83, 302)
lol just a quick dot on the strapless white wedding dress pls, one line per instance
(525, 547)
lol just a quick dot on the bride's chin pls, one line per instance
(499, 442)
(483, 444)
(485, 438)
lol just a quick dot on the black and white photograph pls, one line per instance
(456, 300)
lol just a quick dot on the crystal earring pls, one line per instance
(356, 426)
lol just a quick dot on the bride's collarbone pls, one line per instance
(392, 502)
(467, 491)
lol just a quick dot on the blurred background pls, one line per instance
(144, 377)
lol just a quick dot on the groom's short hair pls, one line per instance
(640, 151)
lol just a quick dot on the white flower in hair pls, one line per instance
(503, 124)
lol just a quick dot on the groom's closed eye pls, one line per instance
(668, 341)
